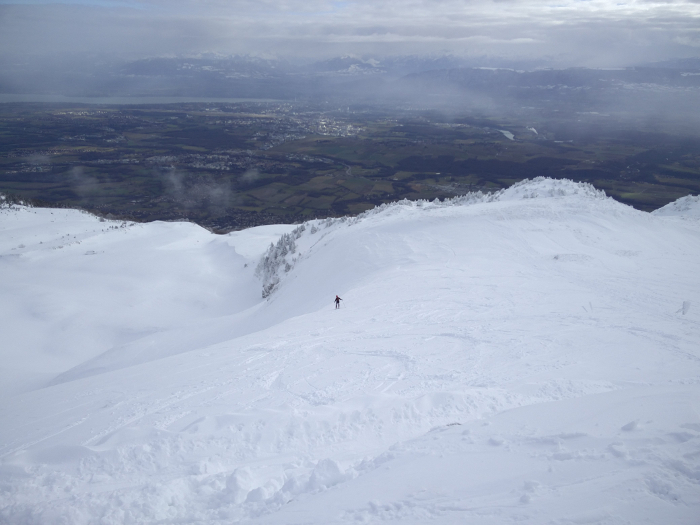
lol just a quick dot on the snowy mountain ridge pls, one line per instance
(496, 359)
(687, 207)
(281, 257)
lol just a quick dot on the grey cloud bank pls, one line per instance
(594, 34)
(416, 54)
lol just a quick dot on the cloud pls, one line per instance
(37, 159)
(394, 38)
(174, 184)
(83, 185)
(198, 191)
(249, 176)
(689, 40)
(580, 32)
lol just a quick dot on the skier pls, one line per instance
(337, 302)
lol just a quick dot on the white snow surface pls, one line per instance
(687, 207)
(528, 356)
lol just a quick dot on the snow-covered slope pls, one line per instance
(527, 356)
(686, 207)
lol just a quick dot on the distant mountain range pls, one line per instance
(417, 80)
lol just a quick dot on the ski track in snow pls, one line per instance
(530, 356)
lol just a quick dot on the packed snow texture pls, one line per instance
(687, 207)
(527, 356)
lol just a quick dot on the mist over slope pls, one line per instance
(529, 356)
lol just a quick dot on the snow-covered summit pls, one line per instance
(686, 207)
(542, 187)
(524, 356)
(571, 197)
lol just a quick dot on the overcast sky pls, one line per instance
(598, 33)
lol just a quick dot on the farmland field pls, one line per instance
(237, 165)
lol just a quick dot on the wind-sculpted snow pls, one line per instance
(281, 257)
(527, 356)
(686, 207)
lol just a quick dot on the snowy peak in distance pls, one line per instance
(348, 65)
(223, 66)
(396, 66)
(692, 64)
